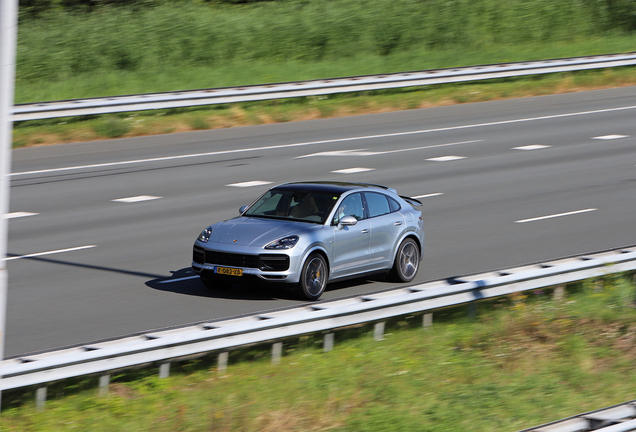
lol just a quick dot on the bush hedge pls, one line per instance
(61, 43)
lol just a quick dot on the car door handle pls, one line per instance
(398, 223)
(366, 231)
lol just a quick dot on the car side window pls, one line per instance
(350, 206)
(395, 206)
(378, 204)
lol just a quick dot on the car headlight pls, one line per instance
(205, 235)
(284, 243)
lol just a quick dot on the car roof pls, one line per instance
(330, 186)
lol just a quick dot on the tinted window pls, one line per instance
(298, 205)
(350, 206)
(393, 204)
(267, 204)
(378, 204)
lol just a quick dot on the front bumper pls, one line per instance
(272, 266)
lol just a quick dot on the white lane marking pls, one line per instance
(355, 152)
(178, 280)
(431, 146)
(136, 199)
(428, 195)
(610, 137)
(352, 170)
(361, 152)
(556, 215)
(249, 184)
(532, 147)
(309, 143)
(50, 252)
(19, 215)
(446, 158)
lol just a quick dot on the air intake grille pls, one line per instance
(232, 260)
(273, 262)
(265, 262)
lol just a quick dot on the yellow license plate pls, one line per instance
(229, 271)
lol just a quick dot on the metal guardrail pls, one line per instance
(221, 336)
(187, 98)
(617, 418)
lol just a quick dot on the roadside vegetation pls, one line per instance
(173, 37)
(71, 49)
(525, 360)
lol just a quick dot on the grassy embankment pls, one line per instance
(185, 45)
(523, 361)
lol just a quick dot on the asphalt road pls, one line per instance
(503, 184)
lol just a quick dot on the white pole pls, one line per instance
(8, 30)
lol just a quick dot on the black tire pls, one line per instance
(407, 261)
(215, 282)
(313, 278)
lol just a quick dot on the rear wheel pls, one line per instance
(407, 261)
(313, 278)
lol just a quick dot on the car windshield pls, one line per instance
(306, 206)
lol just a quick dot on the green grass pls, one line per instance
(186, 44)
(247, 72)
(523, 361)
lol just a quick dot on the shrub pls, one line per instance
(112, 127)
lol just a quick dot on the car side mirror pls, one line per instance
(347, 221)
(242, 209)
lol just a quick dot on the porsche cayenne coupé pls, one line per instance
(307, 234)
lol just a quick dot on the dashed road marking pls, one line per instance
(19, 215)
(532, 147)
(135, 199)
(249, 184)
(355, 152)
(610, 137)
(446, 158)
(428, 195)
(556, 215)
(352, 170)
(364, 152)
(50, 252)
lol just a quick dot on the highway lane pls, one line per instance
(486, 173)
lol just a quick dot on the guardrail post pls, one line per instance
(104, 382)
(598, 285)
(378, 331)
(427, 321)
(559, 292)
(164, 370)
(472, 310)
(40, 398)
(328, 343)
(277, 352)
(222, 362)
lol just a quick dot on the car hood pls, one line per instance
(249, 231)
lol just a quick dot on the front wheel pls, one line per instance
(313, 278)
(407, 261)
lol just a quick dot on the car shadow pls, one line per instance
(186, 281)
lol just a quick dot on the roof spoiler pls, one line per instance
(411, 201)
